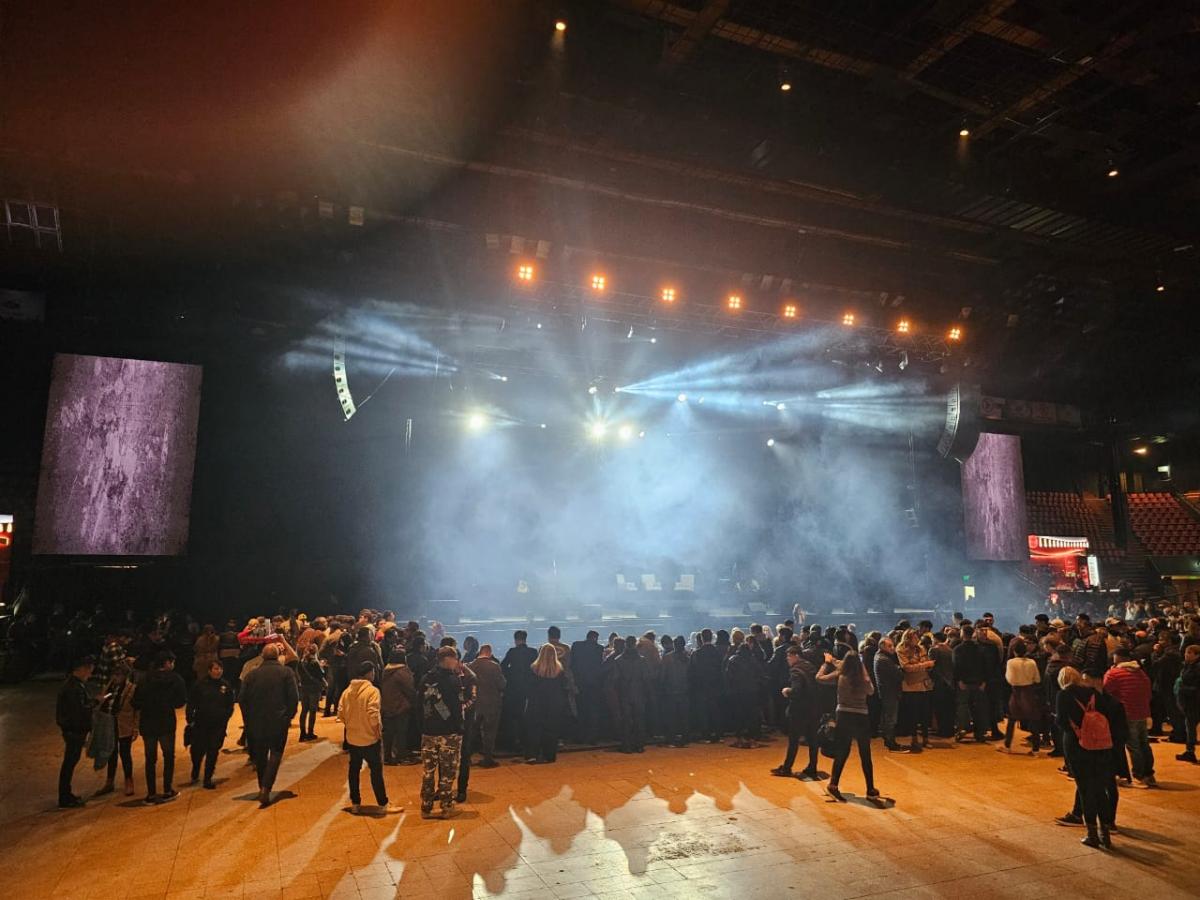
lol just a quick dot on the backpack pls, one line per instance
(1093, 732)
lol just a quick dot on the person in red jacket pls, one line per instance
(1127, 683)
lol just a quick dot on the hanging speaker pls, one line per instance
(962, 422)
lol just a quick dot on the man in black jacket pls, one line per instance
(634, 684)
(517, 676)
(801, 715)
(970, 672)
(210, 704)
(156, 699)
(73, 713)
(888, 679)
(269, 697)
(364, 649)
(586, 658)
(704, 671)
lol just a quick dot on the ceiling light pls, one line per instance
(785, 86)
(560, 26)
(1113, 172)
(955, 334)
(770, 442)
(790, 311)
(1160, 287)
(682, 398)
(668, 295)
(903, 326)
(964, 132)
(593, 390)
(525, 272)
(781, 406)
(734, 302)
(1141, 451)
(848, 319)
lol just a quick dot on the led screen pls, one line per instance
(993, 487)
(120, 443)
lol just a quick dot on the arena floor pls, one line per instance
(704, 821)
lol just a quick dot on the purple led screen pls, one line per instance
(117, 462)
(993, 487)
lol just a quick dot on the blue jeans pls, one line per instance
(1141, 756)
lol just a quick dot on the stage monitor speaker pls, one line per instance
(962, 422)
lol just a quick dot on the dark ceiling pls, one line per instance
(655, 137)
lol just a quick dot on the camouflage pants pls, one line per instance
(439, 762)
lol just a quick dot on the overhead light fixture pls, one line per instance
(1114, 172)
(598, 283)
(597, 430)
(955, 333)
(593, 390)
(560, 26)
(682, 398)
(790, 311)
(625, 432)
(476, 421)
(785, 86)
(781, 406)
(964, 132)
(1160, 287)
(1141, 451)
(734, 302)
(668, 295)
(770, 442)
(848, 319)
(903, 326)
(525, 272)
(654, 340)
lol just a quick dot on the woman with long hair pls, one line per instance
(853, 724)
(1091, 766)
(916, 691)
(545, 706)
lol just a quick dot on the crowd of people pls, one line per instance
(1094, 693)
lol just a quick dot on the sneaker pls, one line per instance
(781, 772)
(1187, 756)
(209, 786)
(392, 808)
(150, 798)
(355, 809)
(460, 797)
(1003, 749)
(71, 802)
(1150, 781)
(167, 796)
(1070, 820)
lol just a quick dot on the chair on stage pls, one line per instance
(651, 583)
(686, 583)
(623, 585)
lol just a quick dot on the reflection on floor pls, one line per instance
(703, 821)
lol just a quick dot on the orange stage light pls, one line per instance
(525, 272)
(598, 283)
(790, 311)
(668, 295)
(848, 319)
(734, 302)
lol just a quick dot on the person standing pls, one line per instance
(210, 704)
(1025, 701)
(268, 700)
(364, 649)
(311, 673)
(73, 713)
(119, 705)
(889, 678)
(633, 684)
(489, 703)
(586, 658)
(1087, 746)
(205, 650)
(673, 679)
(441, 733)
(156, 700)
(1127, 683)
(518, 673)
(333, 654)
(744, 679)
(546, 706)
(1187, 697)
(800, 716)
(397, 696)
(916, 689)
(943, 685)
(359, 711)
(704, 681)
(970, 672)
(852, 722)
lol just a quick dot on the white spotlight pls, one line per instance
(654, 340)
(504, 378)
(682, 398)
(592, 390)
(781, 406)
(770, 442)
(597, 430)
(641, 434)
(543, 425)
(476, 421)
(539, 325)
(625, 432)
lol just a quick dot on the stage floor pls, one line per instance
(702, 821)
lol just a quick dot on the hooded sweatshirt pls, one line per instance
(358, 710)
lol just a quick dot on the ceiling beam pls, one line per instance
(687, 43)
(976, 22)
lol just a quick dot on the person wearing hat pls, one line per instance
(269, 698)
(156, 699)
(359, 712)
(73, 712)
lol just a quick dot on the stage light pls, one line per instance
(668, 295)
(964, 132)
(903, 326)
(598, 283)
(641, 434)
(539, 325)
(770, 442)
(476, 421)
(781, 406)
(1114, 172)
(785, 86)
(597, 431)
(682, 398)
(503, 378)
(955, 334)
(848, 319)
(790, 311)
(654, 340)
(543, 425)
(525, 272)
(560, 26)
(1160, 288)
(734, 302)
(625, 432)
(1141, 451)
(593, 390)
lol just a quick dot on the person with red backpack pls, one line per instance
(1087, 745)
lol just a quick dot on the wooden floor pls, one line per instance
(707, 821)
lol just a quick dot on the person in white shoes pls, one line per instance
(358, 710)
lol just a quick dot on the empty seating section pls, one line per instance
(1164, 525)
(1066, 514)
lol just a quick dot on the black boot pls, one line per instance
(1105, 839)
(1092, 839)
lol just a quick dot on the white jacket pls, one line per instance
(358, 710)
